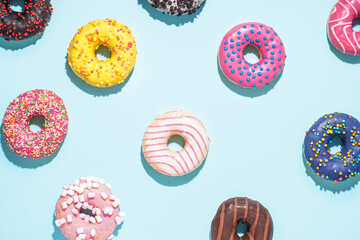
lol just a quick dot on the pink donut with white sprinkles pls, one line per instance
(21, 110)
(175, 163)
(88, 210)
(339, 26)
(266, 41)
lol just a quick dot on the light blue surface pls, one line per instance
(256, 135)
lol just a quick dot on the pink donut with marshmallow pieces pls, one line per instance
(88, 210)
(266, 41)
(339, 26)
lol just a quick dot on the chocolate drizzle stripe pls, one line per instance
(266, 231)
(221, 225)
(234, 221)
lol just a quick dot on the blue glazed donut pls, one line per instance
(343, 164)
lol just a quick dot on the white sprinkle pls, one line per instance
(92, 220)
(78, 205)
(64, 205)
(96, 185)
(112, 197)
(98, 218)
(63, 194)
(81, 198)
(69, 218)
(118, 220)
(69, 200)
(116, 203)
(79, 230)
(108, 185)
(85, 205)
(91, 195)
(76, 199)
(82, 216)
(93, 232)
(121, 214)
(70, 192)
(74, 211)
(104, 195)
(82, 236)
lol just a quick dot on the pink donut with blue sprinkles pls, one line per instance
(266, 41)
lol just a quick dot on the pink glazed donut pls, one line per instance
(19, 136)
(243, 73)
(157, 135)
(339, 27)
(88, 210)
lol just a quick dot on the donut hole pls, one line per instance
(252, 54)
(17, 5)
(335, 145)
(36, 123)
(356, 24)
(103, 53)
(87, 212)
(241, 229)
(176, 143)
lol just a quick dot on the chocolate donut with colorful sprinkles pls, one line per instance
(21, 25)
(337, 166)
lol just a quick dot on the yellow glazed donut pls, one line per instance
(112, 34)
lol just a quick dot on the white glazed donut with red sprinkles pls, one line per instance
(21, 110)
(155, 143)
(266, 41)
(88, 210)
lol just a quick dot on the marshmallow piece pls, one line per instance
(98, 218)
(90, 207)
(79, 230)
(121, 214)
(108, 210)
(76, 199)
(92, 220)
(64, 205)
(82, 198)
(89, 184)
(77, 182)
(96, 185)
(102, 181)
(112, 197)
(87, 218)
(82, 216)
(91, 195)
(116, 203)
(60, 222)
(93, 211)
(103, 195)
(81, 190)
(85, 205)
(69, 218)
(82, 236)
(93, 232)
(108, 185)
(118, 220)
(70, 192)
(64, 193)
(74, 211)
(98, 211)
(66, 187)
(111, 236)
(78, 205)
(69, 200)
(83, 185)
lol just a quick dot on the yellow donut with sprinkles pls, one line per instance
(117, 38)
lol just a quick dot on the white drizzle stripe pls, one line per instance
(346, 35)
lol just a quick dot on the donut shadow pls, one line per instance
(168, 180)
(325, 185)
(169, 19)
(247, 92)
(342, 56)
(28, 163)
(96, 91)
(20, 44)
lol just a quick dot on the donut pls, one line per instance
(119, 40)
(157, 135)
(317, 143)
(339, 27)
(88, 210)
(242, 210)
(177, 7)
(21, 25)
(21, 110)
(231, 55)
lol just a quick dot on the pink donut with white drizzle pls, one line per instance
(266, 41)
(88, 210)
(155, 143)
(339, 27)
(21, 110)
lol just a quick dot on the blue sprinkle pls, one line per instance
(239, 61)
(230, 66)
(267, 31)
(233, 52)
(267, 83)
(253, 70)
(238, 56)
(275, 33)
(239, 32)
(249, 74)
(257, 40)
(232, 71)
(231, 40)
(253, 85)
(274, 75)
(260, 80)
(281, 43)
(279, 59)
(243, 42)
(250, 64)
(280, 66)
(241, 73)
(261, 25)
(225, 61)
(237, 44)
(268, 69)
(232, 59)
(259, 32)
(241, 81)
(272, 62)
(244, 26)
(259, 45)
(232, 46)
(259, 73)
(225, 48)
(266, 44)
(245, 35)
(248, 79)
(252, 31)
(239, 68)
(228, 54)
(265, 38)
(251, 41)
(255, 66)
(238, 49)
(266, 76)
(253, 77)
(272, 58)
(273, 46)
(252, 25)
(238, 37)
(225, 43)
(272, 53)
(272, 39)
(280, 51)
(247, 39)
(261, 69)
(274, 68)
(244, 67)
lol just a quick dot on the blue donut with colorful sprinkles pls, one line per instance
(320, 138)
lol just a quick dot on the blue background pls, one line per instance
(256, 135)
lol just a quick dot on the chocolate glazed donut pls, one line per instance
(20, 25)
(242, 209)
